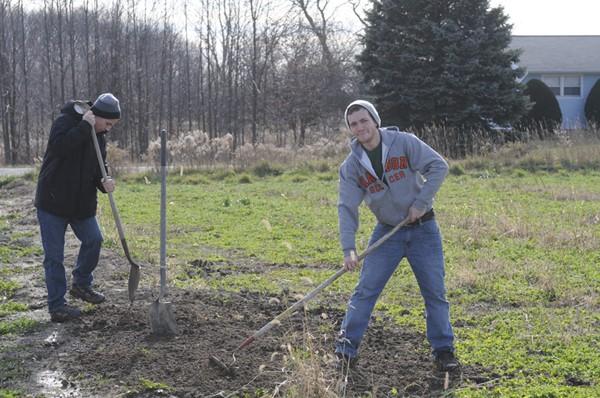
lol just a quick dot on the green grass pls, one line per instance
(150, 385)
(9, 393)
(8, 289)
(522, 251)
(18, 326)
(15, 247)
(7, 180)
(11, 307)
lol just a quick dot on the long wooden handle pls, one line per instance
(134, 269)
(316, 290)
(113, 205)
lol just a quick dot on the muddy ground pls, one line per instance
(111, 351)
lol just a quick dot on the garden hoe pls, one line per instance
(277, 320)
(134, 269)
(162, 320)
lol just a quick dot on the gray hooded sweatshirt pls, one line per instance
(413, 173)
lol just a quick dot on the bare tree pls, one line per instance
(86, 35)
(11, 105)
(59, 44)
(48, 38)
(188, 86)
(73, 60)
(355, 9)
(4, 67)
(318, 27)
(25, 73)
(242, 70)
(255, 11)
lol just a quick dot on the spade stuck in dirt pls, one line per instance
(162, 320)
(134, 270)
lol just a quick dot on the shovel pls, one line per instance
(134, 269)
(162, 320)
(213, 360)
(322, 286)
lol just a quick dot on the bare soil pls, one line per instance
(111, 352)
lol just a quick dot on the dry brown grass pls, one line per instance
(309, 374)
(573, 150)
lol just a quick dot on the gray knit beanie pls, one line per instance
(107, 106)
(369, 107)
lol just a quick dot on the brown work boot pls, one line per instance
(86, 293)
(65, 313)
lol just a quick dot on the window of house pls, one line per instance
(552, 81)
(572, 86)
(563, 85)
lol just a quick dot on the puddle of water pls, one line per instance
(54, 384)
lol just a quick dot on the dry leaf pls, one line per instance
(266, 224)
(306, 280)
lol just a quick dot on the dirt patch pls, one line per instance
(111, 351)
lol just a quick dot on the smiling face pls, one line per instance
(364, 128)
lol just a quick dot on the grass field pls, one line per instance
(522, 251)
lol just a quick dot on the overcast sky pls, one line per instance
(552, 17)
(529, 17)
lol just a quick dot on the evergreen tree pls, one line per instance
(592, 105)
(545, 114)
(441, 61)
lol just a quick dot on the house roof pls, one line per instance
(577, 54)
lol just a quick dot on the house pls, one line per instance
(569, 65)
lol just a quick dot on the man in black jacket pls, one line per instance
(66, 195)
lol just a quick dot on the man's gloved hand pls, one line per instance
(90, 118)
(351, 261)
(108, 184)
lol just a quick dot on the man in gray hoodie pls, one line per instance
(397, 175)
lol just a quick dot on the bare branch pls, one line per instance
(355, 6)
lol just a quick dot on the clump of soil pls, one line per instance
(111, 351)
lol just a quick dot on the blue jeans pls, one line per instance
(422, 246)
(53, 230)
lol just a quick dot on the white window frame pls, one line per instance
(562, 83)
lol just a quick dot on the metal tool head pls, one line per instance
(162, 320)
(133, 282)
(81, 106)
(221, 366)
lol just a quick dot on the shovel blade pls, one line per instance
(134, 281)
(162, 320)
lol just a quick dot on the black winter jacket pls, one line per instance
(70, 173)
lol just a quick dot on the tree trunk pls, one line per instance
(49, 57)
(4, 82)
(61, 58)
(73, 60)
(24, 71)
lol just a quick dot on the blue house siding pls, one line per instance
(572, 108)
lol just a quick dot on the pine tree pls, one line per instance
(441, 62)
(592, 105)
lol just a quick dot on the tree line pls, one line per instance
(253, 69)
(274, 72)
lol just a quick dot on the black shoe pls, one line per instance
(65, 313)
(344, 362)
(446, 361)
(86, 293)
